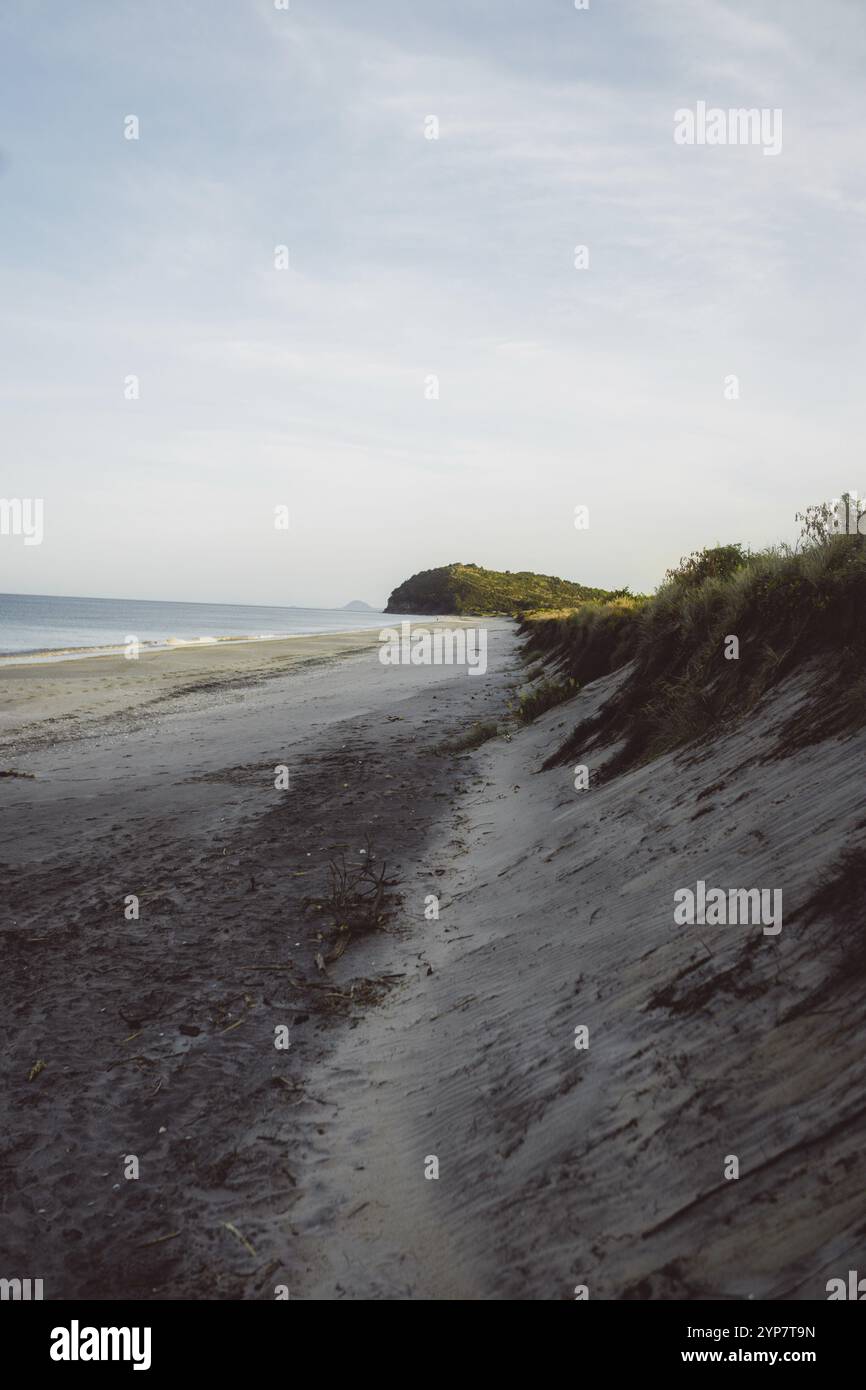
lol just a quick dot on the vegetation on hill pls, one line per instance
(471, 590)
(786, 606)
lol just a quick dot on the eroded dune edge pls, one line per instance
(606, 1166)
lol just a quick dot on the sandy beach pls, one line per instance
(449, 1037)
(605, 1168)
(51, 700)
(156, 1035)
(432, 675)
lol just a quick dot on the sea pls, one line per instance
(44, 627)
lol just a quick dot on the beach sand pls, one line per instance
(40, 702)
(448, 1038)
(605, 1167)
(154, 1038)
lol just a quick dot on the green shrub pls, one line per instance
(544, 697)
(713, 562)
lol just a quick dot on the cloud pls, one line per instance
(411, 256)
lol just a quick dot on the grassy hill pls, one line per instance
(472, 590)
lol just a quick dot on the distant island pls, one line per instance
(358, 605)
(470, 589)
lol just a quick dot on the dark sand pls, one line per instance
(157, 1035)
(451, 1038)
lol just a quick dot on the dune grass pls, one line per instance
(786, 608)
(478, 733)
(544, 697)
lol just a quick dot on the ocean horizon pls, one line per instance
(48, 626)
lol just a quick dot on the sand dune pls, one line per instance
(605, 1167)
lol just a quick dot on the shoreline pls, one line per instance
(52, 655)
(56, 700)
(33, 656)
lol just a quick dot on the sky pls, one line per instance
(432, 378)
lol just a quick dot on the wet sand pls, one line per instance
(40, 702)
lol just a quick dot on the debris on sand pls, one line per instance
(230, 1226)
